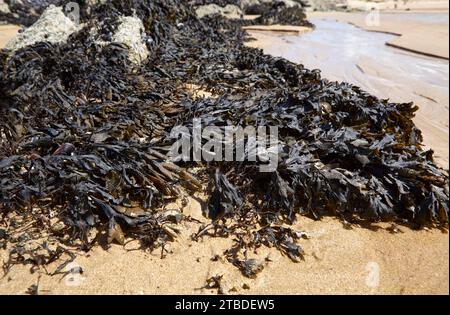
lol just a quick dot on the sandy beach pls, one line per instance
(377, 259)
(6, 33)
(337, 261)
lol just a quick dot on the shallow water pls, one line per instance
(339, 49)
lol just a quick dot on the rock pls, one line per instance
(246, 4)
(129, 32)
(327, 5)
(255, 7)
(291, 3)
(229, 11)
(4, 7)
(95, 2)
(53, 26)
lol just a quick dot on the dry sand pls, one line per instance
(6, 33)
(337, 261)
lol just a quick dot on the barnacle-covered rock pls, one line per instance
(130, 33)
(229, 11)
(53, 27)
(4, 7)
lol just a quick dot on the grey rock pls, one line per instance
(229, 11)
(53, 26)
(129, 32)
(4, 7)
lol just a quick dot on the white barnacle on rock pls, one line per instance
(129, 32)
(53, 26)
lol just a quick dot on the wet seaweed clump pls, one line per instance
(86, 132)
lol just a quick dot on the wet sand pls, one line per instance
(346, 53)
(423, 36)
(362, 260)
(400, 5)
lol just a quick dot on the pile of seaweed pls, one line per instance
(27, 12)
(85, 135)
